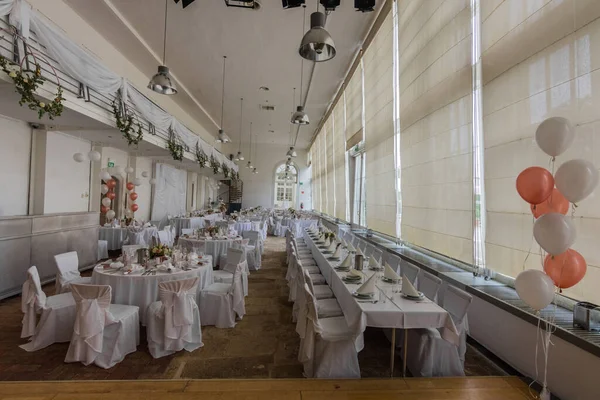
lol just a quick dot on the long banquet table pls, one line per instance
(390, 311)
(142, 290)
(214, 247)
(297, 226)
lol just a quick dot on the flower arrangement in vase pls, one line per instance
(160, 251)
(212, 231)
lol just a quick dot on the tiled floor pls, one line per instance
(263, 345)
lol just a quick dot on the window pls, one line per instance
(357, 161)
(286, 181)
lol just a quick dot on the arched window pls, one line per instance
(286, 181)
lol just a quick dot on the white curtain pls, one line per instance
(169, 191)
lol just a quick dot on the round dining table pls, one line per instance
(242, 226)
(214, 247)
(140, 290)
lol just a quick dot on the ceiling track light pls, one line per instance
(223, 138)
(317, 44)
(251, 4)
(162, 82)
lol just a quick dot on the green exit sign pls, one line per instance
(111, 164)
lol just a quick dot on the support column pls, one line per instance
(37, 172)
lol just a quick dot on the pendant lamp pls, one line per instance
(223, 138)
(162, 82)
(300, 117)
(240, 156)
(291, 152)
(317, 44)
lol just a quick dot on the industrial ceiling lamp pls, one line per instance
(240, 156)
(254, 170)
(300, 117)
(249, 165)
(223, 138)
(317, 45)
(161, 82)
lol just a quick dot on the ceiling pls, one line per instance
(261, 48)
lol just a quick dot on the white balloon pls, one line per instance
(535, 288)
(119, 170)
(94, 155)
(576, 179)
(144, 174)
(106, 202)
(554, 232)
(79, 157)
(152, 181)
(137, 181)
(110, 214)
(129, 170)
(555, 135)
(104, 189)
(105, 176)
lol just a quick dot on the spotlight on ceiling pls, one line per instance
(292, 3)
(185, 2)
(364, 5)
(242, 3)
(330, 5)
(317, 44)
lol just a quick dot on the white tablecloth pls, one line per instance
(141, 291)
(214, 247)
(395, 312)
(297, 226)
(242, 226)
(187, 223)
(116, 236)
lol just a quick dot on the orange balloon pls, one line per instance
(133, 196)
(556, 203)
(565, 269)
(104, 209)
(130, 186)
(535, 184)
(111, 195)
(134, 207)
(111, 183)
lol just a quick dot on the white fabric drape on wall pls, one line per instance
(169, 191)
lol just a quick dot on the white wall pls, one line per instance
(15, 137)
(259, 189)
(67, 181)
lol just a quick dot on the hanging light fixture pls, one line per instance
(240, 156)
(300, 117)
(317, 44)
(162, 82)
(249, 165)
(254, 170)
(223, 138)
(291, 152)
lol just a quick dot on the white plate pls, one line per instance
(421, 296)
(363, 296)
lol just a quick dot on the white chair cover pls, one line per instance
(165, 238)
(254, 252)
(411, 271)
(173, 323)
(221, 302)
(429, 285)
(187, 231)
(57, 314)
(235, 257)
(327, 345)
(429, 354)
(93, 341)
(68, 271)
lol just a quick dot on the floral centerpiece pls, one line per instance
(160, 251)
(212, 231)
(222, 207)
(209, 211)
(330, 235)
(234, 217)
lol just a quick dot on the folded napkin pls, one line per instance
(359, 252)
(147, 225)
(347, 261)
(338, 252)
(373, 263)
(168, 267)
(332, 246)
(369, 286)
(354, 272)
(117, 264)
(407, 288)
(389, 273)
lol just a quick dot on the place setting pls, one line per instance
(366, 293)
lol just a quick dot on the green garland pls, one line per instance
(201, 157)
(26, 83)
(175, 148)
(226, 170)
(125, 125)
(214, 164)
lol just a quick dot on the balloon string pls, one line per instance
(537, 343)
(529, 249)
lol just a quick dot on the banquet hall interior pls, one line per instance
(299, 199)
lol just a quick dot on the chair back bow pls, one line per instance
(178, 306)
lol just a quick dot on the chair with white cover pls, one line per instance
(67, 265)
(430, 285)
(327, 345)
(57, 314)
(187, 231)
(411, 271)
(102, 249)
(103, 333)
(253, 249)
(327, 306)
(221, 302)
(225, 273)
(429, 354)
(173, 322)
(164, 237)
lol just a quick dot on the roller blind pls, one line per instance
(435, 82)
(323, 163)
(380, 174)
(339, 154)
(354, 103)
(328, 134)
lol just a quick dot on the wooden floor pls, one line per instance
(468, 388)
